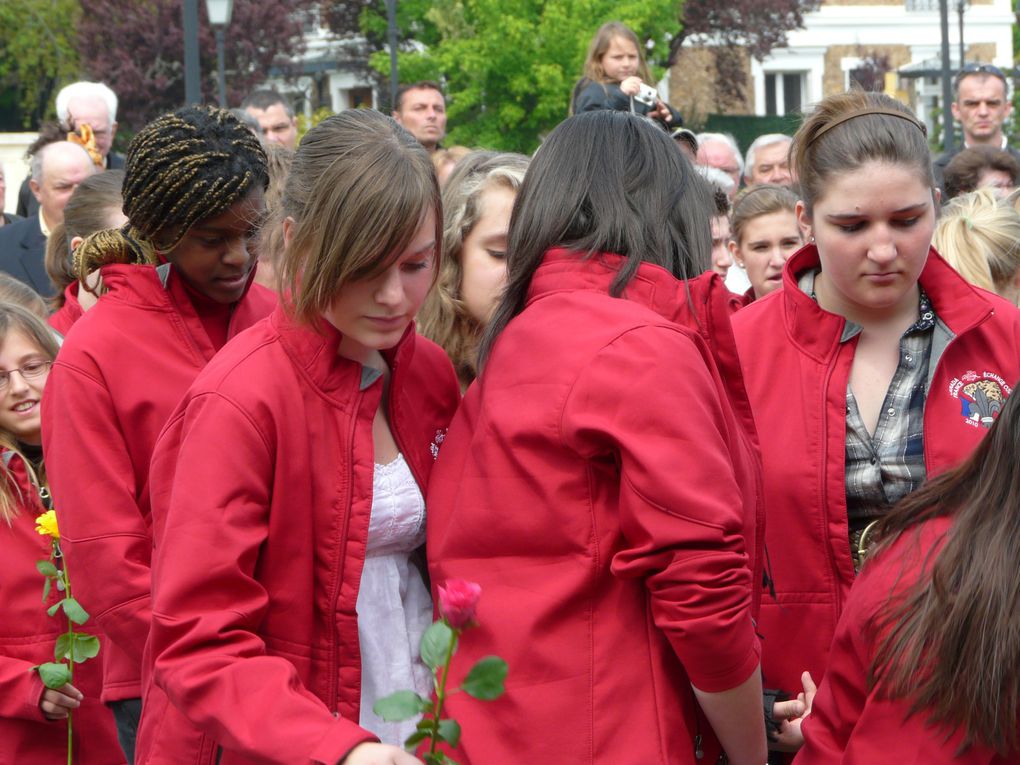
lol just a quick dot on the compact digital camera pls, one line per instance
(647, 95)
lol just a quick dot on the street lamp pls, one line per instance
(219, 16)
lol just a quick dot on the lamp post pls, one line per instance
(219, 17)
(192, 86)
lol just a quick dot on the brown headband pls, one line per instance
(862, 112)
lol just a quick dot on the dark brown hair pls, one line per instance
(610, 182)
(841, 136)
(951, 644)
(963, 173)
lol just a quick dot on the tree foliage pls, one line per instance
(509, 66)
(755, 26)
(37, 53)
(137, 46)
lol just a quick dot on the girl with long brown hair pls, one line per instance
(925, 665)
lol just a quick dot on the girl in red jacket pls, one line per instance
(31, 730)
(177, 284)
(874, 367)
(599, 482)
(287, 487)
(925, 666)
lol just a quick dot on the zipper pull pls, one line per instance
(699, 753)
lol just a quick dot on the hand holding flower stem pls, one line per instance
(458, 602)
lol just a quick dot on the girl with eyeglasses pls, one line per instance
(33, 717)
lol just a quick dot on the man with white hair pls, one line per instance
(768, 161)
(88, 103)
(57, 169)
(720, 150)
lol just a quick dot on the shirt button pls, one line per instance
(908, 357)
(874, 460)
(890, 411)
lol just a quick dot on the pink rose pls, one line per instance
(458, 601)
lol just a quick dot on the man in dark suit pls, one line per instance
(91, 103)
(982, 107)
(57, 169)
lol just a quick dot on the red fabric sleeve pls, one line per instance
(652, 398)
(212, 480)
(103, 532)
(20, 690)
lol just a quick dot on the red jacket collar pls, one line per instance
(652, 286)
(314, 350)
(957, 304)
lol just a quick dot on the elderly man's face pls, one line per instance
(771, 165)
(93, 112)
(277, 126)
(64, 166)
(717, 154)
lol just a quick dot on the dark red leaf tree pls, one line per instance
(755, 26)
(137, 47)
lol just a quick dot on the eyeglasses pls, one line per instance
(30, 371)
(975, 68)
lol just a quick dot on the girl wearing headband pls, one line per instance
(874, 367)
(177, 280)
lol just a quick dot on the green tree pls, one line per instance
(509, 66)
(38, 53)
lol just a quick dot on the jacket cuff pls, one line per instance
(339, 740)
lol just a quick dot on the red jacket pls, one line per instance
(27, 637)
(796, 372)
(117, 378)
(853, 725)
(261, 497)
(600, 486)
(64, 317)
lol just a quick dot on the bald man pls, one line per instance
(57, 169)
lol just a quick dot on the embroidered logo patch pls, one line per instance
(437, 441)
(981, 395)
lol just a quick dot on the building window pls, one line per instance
(360, 98)
(784, 92)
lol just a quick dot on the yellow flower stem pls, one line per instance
(57, 553)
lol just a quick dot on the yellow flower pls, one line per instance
(46, 525)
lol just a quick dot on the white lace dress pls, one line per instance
(394, 608)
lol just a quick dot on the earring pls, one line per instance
(811, 239)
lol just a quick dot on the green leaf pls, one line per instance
(85, 647)
(54, 675)
(449, 731)
(401, 705)
(435, 644)
(46, 568)
(46, 589)
(486, 678)
(74, 611)
(62, 648)
(414, 739)
(436, 758)
(52, 610)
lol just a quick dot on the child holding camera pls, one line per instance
(616, 77)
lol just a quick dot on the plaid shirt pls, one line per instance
(883, 468)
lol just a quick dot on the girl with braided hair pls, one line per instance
(177, 285)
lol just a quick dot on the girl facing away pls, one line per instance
(599, 481)
(177, 281)
(925, 665)
(96, 205)
(477, 201)
(764, 234)
(287, 488)
(979, 235)
(616, 77)
(874, 368)
(32, 717)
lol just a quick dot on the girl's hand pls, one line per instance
(661, 112)
(379, 754)
(631, 86)
(790, 714)
(57, 703)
